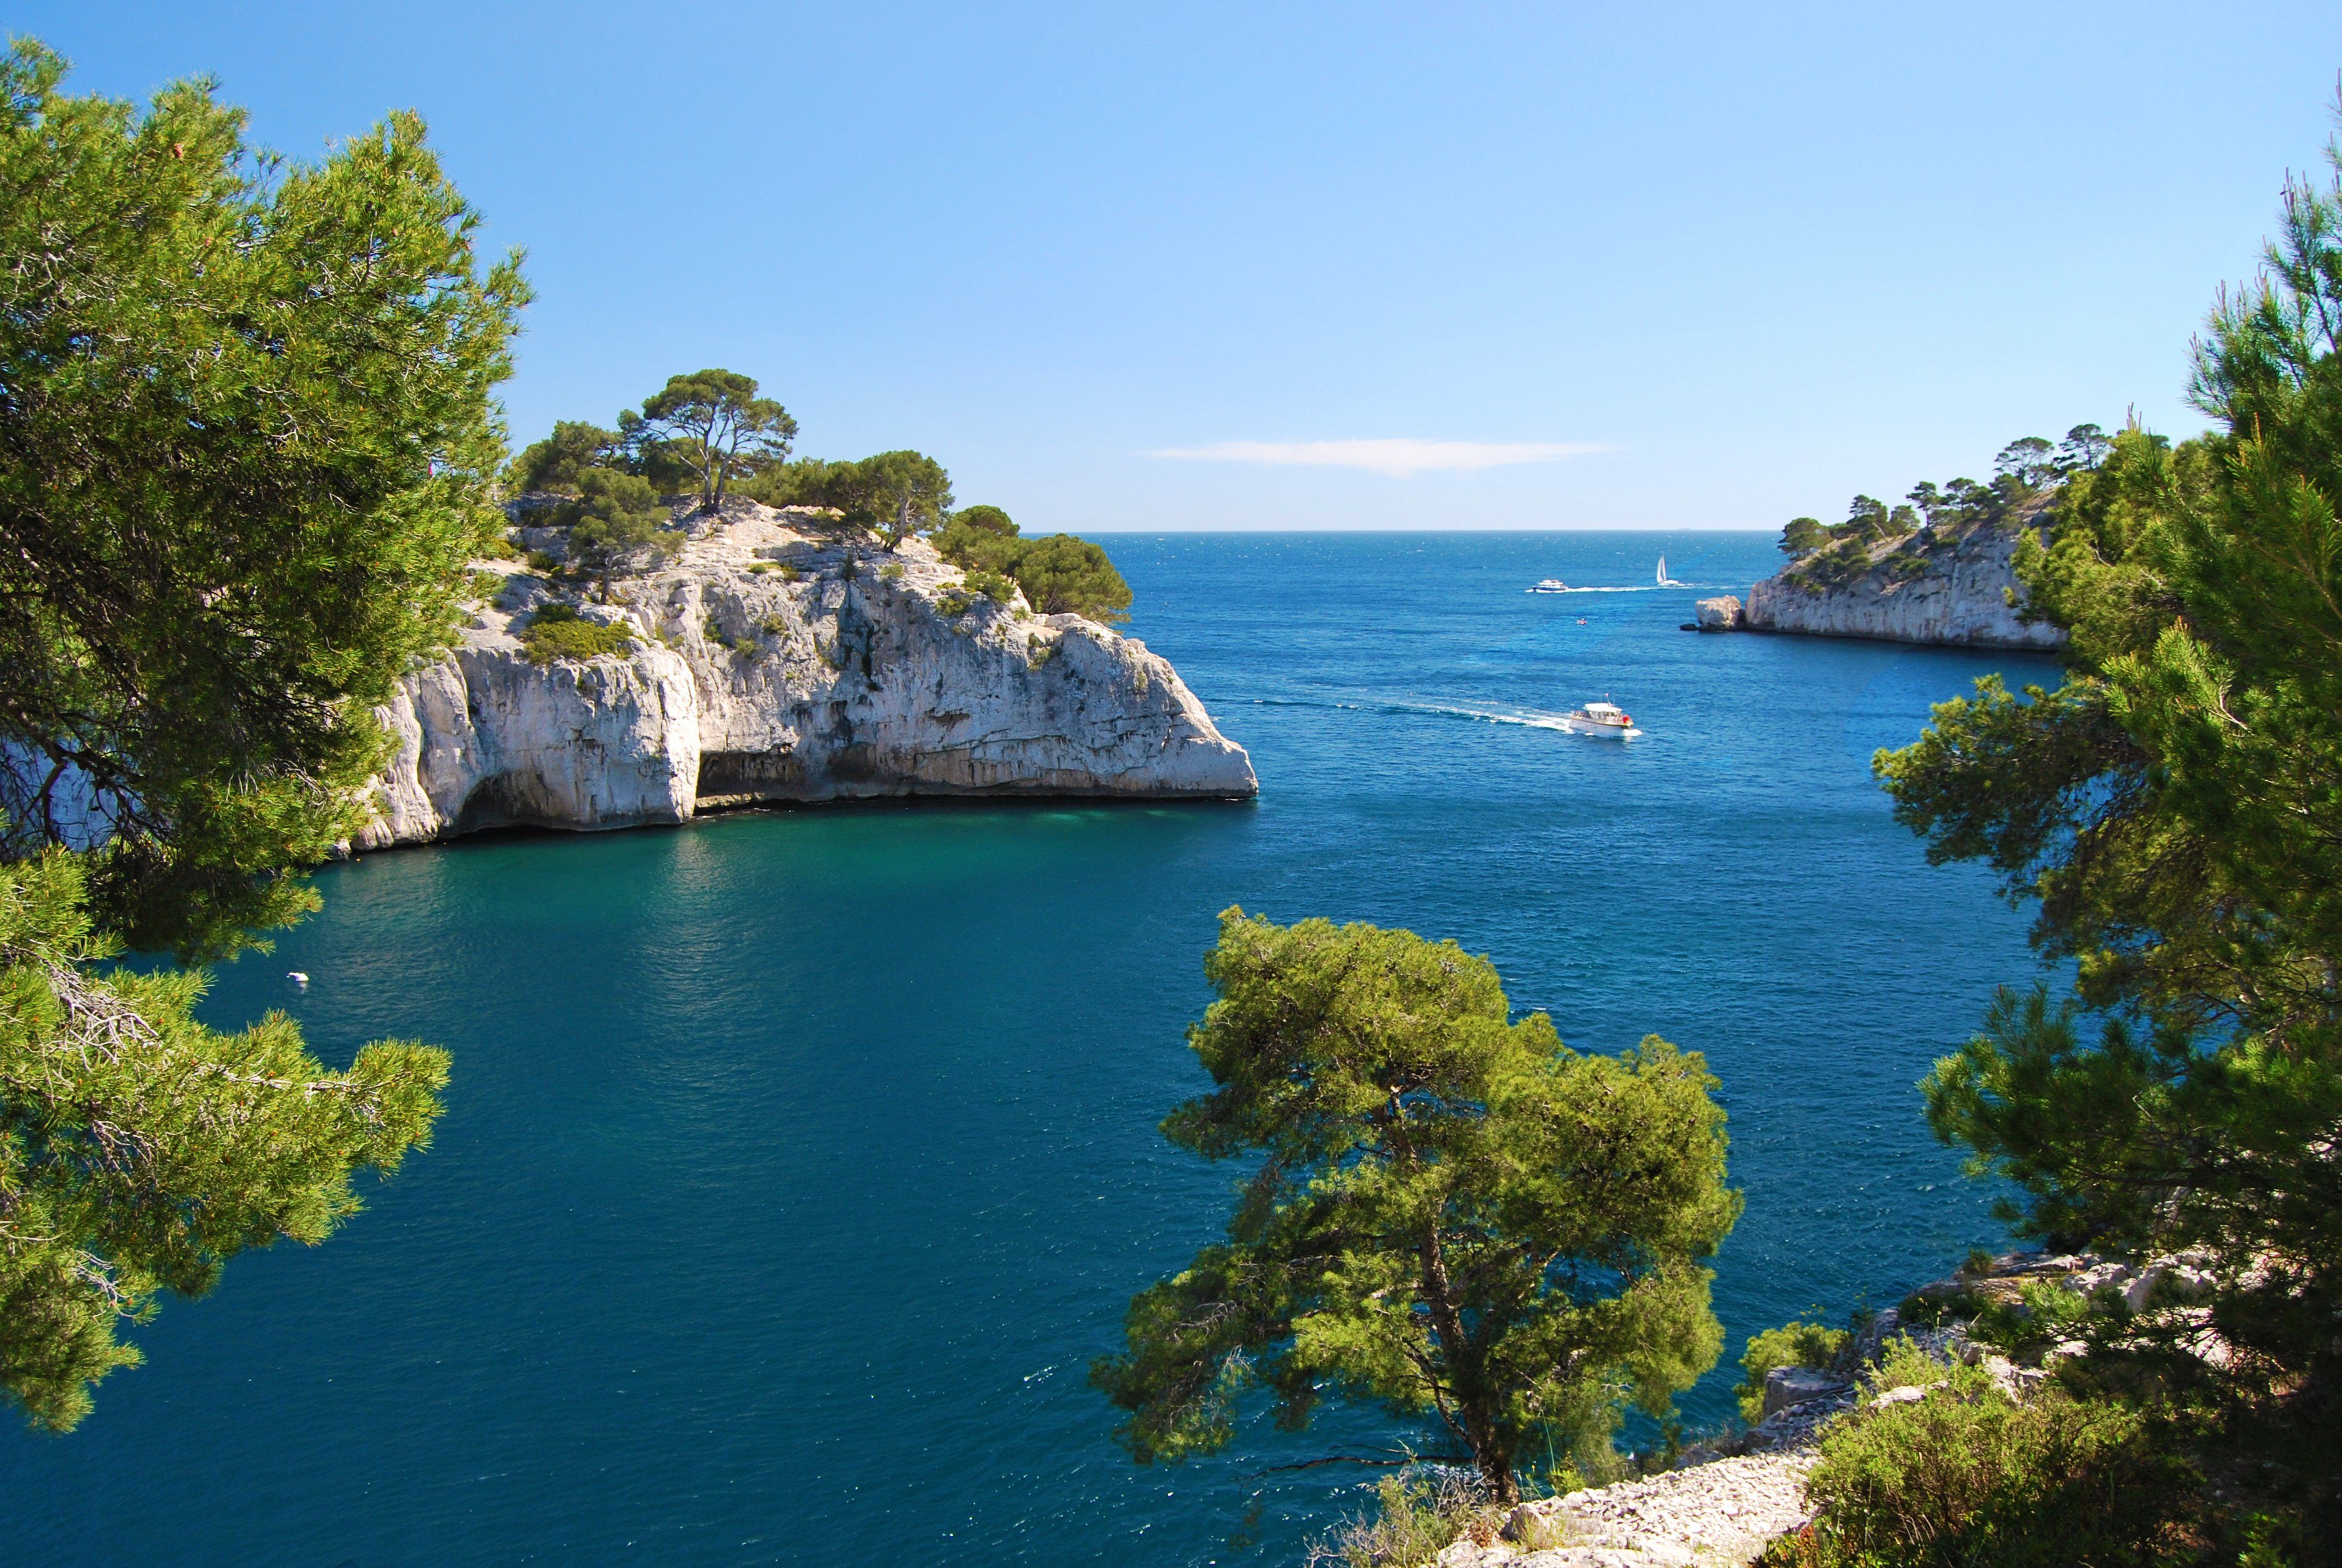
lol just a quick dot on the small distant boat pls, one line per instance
(1606, 720)
(1665, 581)
(1551, 585)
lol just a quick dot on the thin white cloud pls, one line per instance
(1399, 457)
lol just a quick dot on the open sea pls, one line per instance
(797, 1163)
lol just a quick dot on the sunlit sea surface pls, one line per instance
(797, 1164)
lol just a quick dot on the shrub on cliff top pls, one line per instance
(1455, 1216)
(1060, 574)
(558, 632)
(1967, 1477)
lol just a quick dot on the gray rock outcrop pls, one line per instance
(774, 661)
(1718, 614)
(1947, 590)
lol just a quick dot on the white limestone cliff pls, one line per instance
(772, 663)
(1927, 588)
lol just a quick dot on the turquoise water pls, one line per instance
(797, 1164)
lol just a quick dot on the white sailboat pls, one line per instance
(1665, 581)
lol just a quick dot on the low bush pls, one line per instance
(744, 646)
(776, 625)
(544, 560)
(892, 571)
(1796, 1344)
(789, 573)
(2043, 1312)
(558, 632)
(1417, 1513)
(1968, 1477)
(760, 568)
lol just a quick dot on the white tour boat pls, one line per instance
(1604, 719)
(1551, 585)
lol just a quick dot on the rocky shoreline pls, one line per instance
(775, 661)
(1949, 589)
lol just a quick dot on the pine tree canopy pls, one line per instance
(247, 439)
(1454, 1215)
(2174, 811)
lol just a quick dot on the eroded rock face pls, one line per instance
(1954, 591)
(1718, 614)
(774, 664)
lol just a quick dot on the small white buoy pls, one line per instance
(300, 981)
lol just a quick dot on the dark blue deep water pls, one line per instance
(797, 1164)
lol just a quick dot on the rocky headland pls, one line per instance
(1954, 588)
(774, 658)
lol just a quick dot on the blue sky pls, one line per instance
(1120, 268)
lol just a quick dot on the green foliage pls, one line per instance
(1968, 1477)
(544, 560)
(1454, 1216)
(1060, 574)
(251, 441)
(618, 525)
(1795, 1344)
(800, 481)
(2176, 809)
(892, 571)
(140, 1151)
(2043, 1313)
(2027, 474)
(558, 632)
(984, 520)
(1903, 1364)
(896, 494)
(712, 426)
(556, 464)
(774, 625)
(790, 573)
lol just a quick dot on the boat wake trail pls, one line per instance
(1486, 713)
(1667, 586)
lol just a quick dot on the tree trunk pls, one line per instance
(1471, 1396)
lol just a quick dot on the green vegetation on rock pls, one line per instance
(1060, 574)
(1966, 1474)
(617, 525)
(1798, 1343)
(251, 441)
(1454, 1215)
(558, 632)
(2027, 478)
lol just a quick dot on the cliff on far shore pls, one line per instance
(1938, 587)
(775, 660)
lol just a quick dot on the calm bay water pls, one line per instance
(797, 1164)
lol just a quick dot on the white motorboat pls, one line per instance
(1551, 585)
(1604, 719)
